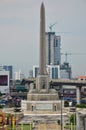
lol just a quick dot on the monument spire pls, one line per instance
(42, 54)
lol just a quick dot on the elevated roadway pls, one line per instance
(61, 82)
(57, 82)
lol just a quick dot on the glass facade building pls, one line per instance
(10, 69)
(53, 71)
(53, 55)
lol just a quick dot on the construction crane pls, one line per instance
(66, 55)
(51, 26)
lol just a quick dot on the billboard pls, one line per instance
(3, 80)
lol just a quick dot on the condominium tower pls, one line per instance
(7, 68)
(53, 49)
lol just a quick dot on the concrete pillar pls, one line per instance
(85, 123)
(42, 82)
(77, 121)
(78, 94)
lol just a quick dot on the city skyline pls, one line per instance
(19, 31)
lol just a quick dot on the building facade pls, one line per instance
(53, 71)
(35, 71)
(10, 69)
(83, 78)
(18, 75)
(4, 82)
(65, 71)
(7, 68)
(53, 55)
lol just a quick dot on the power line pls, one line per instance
(66, 55)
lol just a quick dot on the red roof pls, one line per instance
(81, 77)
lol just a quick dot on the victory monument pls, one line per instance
(41, 97)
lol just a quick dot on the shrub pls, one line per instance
(81, 106)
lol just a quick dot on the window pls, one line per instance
(32, 108)
(55, 108)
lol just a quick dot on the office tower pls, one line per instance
(53, 55)
(35, 71)
(7, 68)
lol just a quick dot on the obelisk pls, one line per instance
(42, 78)
(39, 90)
(42, 54)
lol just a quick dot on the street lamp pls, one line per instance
(61, 94)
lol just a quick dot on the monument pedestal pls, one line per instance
(42, 83)
(42, 101)
(42, 96)
(43, 107)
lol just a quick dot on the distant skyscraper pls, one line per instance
(18, 75)
(7, 68)
(53, 55)
(35, 71)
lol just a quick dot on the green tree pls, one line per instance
(0, 94)
(73, 119)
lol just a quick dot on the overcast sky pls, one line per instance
(19, 31)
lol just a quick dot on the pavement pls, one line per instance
(41, 120)
(44, 122)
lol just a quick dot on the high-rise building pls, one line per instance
(7, 68)
(35, 71)
(65, 71)
(53, 55)
(10, 69)
(53, 71)
(18, 75)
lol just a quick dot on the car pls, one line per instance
(3, 102)
(72, 109)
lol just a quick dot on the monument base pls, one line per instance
(42, 96)
(42, 101)
(42, 83)
(42, 107)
